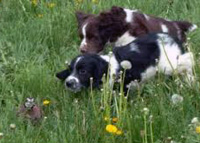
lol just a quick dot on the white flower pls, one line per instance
(169, 138)
(151, 118)
(126, 64)
(146, 111)
(176, 99)
(102, 108)
(76, 101)
(156, 60)
(67, 63)
(1, 135)
(133, 84)
(182, 136)
(110, 54)
(195, 120)
(12, 126)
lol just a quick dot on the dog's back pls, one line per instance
(152, 53)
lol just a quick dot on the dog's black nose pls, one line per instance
(70, 83)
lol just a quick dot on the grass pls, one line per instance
(34, 43)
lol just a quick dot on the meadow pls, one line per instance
(38, 36)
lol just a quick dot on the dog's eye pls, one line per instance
(82, 71)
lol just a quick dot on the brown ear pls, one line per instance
(112, 16)
(140, 26)
(116, 9)
(81, 17)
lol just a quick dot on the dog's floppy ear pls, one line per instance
(116, 9)
(108, 17)
(62, 75)
(102, 68)
(140, 26)
(81, 17)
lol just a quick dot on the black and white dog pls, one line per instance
(147, 55)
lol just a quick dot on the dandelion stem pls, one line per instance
(151, 130)
(91, 93)
(145, 128)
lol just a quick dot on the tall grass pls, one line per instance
(34, 43)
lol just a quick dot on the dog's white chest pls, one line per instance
(125, 39)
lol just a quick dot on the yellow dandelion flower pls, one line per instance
(51, 5)
(40, 15)
(34, 2)
(114, 120)
(119, 132)
(46, 102)
(95, 1)
(198, 129)
(111, 128)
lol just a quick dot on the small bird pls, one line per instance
(30, 110)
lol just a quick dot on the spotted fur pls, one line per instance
(121, 26)
(147, 55)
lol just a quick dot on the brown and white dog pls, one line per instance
(120, 26)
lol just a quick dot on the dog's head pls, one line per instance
(81, 70)
(97, 30)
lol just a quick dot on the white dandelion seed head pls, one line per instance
(12, 126)
(182, 136)
(1, 134)
(126, 65)
(101, 89)
(119, 81)
(151, 118)
(188, 38)
(169, 138)
(156, 60)
(91, 78)
(146, 111)
(110, 54)
(172, 141)
(102, 108)
(76, 101)
(190, 125)
(195, 120)
(157, 70)
(67, 63)
(133, 84)
(176, 99)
